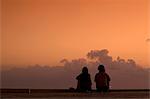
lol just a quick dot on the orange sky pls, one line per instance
(46, 31)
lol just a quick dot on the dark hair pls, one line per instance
(101, 68)
(84, 70)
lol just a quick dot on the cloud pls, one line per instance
(148, 40)
(101, 56)
(123, 73)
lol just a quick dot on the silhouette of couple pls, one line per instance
(102, 80)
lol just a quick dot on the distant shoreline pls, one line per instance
(66, 93)
(11, 90)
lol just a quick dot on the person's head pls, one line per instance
(84, 70)
(101, 68)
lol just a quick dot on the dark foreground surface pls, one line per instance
(63, 94)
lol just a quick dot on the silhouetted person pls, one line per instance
(84, 81)
(102, 80)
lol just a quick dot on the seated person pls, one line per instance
(102, 80)
(84, 81)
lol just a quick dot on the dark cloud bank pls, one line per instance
(125, 74)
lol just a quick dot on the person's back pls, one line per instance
(102, 80)
(84, 81)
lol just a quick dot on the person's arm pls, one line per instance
(95, 78)
(78, 77)
(108, 77)
(90, 79)
(89, 82)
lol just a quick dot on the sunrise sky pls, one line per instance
(46, 31)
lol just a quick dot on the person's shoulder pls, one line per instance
(106, 74)
(78, 76)
(97, 74)
(89, 74)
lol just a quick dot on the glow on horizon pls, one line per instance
(148, 30)
(46, 31)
